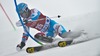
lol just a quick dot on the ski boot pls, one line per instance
(20, 46)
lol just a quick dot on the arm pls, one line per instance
(18, 24)
(25, 35)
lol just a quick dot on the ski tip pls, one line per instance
(62, 44)
(30, 50)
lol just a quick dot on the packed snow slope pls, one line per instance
(76, 14)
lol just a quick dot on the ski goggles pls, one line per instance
(24, 10)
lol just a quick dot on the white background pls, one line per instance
(75, 14)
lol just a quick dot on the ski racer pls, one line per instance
(33, 18)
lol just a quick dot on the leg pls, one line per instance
(70, 35)
(62, 32)
(56, 29)
(42, 37)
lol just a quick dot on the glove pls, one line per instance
(25, 21)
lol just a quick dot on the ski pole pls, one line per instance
(7, 17)
(58, 16)
(44, 18)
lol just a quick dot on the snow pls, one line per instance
(76, 14)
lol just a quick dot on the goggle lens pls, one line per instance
(23, 11)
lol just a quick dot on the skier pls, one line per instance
(33, 18)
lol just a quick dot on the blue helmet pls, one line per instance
(22, 7)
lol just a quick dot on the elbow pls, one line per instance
(18, 24)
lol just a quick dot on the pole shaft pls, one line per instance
(8, 17)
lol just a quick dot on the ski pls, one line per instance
(53, 45)
(48, 46)
(33, 49)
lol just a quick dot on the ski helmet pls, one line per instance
(22, 7)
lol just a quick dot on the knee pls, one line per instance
(63, 35)
(59, 28)
(39, 35)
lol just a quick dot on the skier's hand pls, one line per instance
(59, 16)
(25, 21)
